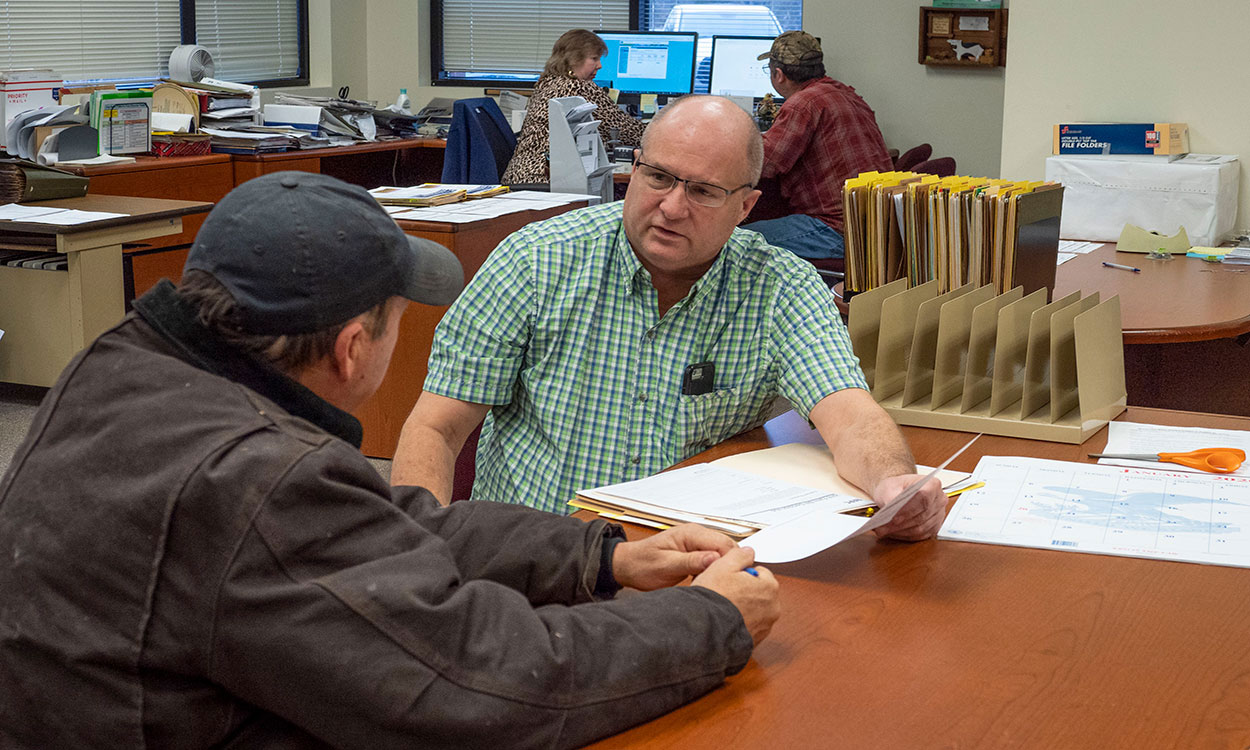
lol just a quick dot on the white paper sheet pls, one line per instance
(1132, 437)
(67, 217)
(1109, 510)
(20, 212)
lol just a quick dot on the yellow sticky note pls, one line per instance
(646, 103)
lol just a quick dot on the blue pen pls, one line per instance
(752, 571)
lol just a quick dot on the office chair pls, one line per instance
(942, 167)
(913, 156)
(479, 143)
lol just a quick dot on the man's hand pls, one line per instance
(668, 558)
(755, 596)
(921, 517)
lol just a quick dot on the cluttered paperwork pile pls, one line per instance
(795, 486)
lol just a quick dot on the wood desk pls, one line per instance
(1184, 320)
(1170, 301)
(960, 645)
(49, 315)
(384, 414)
(190, 178)
(409, 161)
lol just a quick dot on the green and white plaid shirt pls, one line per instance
(560, 332)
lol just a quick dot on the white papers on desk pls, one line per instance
(50, 215)
(20, 212)
(548, 199)
(1076, 246)
(1108, 510)
(707, 491)
(1131, 437)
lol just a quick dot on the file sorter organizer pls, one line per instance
(1004, 364)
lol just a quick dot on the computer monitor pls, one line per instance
(735, 69)
(648, 62)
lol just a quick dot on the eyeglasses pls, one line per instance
(702, 193)
(767, 67)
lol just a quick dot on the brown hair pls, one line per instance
(290, 353)
(571, 48)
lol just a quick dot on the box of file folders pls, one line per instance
(952, 230)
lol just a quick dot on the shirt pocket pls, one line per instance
(709, 418)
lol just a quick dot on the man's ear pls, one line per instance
(748, 203)
(348, 348)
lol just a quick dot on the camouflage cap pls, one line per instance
(794, 48)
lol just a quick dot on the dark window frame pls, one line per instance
(186, 11)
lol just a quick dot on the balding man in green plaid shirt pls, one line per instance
(606, 344)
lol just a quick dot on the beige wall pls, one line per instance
(1127, 61)
(871, 45)
(378, 46)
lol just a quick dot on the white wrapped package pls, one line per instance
(1101, 194)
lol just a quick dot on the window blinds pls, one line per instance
(250, 39)
(515, 36)
(83, 40)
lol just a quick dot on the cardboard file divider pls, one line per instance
(920, 365)
(954, 325)
(898, 323)
(981, 339)
(864, 315)
(1010, 349)
(1063, 395)
(1004, 365)
(1036, 392)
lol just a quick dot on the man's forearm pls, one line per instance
(424, 459)
(866, 444)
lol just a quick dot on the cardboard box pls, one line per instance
(21, 90)
(1155, 138)
(1198, 192)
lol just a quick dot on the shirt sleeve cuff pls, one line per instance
(606, 585)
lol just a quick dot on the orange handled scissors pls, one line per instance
(1216, 460)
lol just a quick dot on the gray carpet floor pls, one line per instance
(17, 408)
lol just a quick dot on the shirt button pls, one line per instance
(636, 460)
(642, 398)
(650, 334)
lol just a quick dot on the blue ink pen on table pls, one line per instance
(1121, 266)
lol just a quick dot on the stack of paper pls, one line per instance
(741, 494)
(420, 195)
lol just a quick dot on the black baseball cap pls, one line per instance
(301, 252)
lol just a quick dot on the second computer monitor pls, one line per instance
(735, 69)
(648, 62)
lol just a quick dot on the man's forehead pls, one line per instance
(705, 157)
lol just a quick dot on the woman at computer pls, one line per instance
(570, 71)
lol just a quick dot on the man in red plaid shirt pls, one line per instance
(824, 134)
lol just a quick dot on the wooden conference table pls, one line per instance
(960, 645)
(1185, 322)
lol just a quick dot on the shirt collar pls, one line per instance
(175, 320)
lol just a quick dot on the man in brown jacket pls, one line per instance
(196, 554)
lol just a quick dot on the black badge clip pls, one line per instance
(697, 379)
